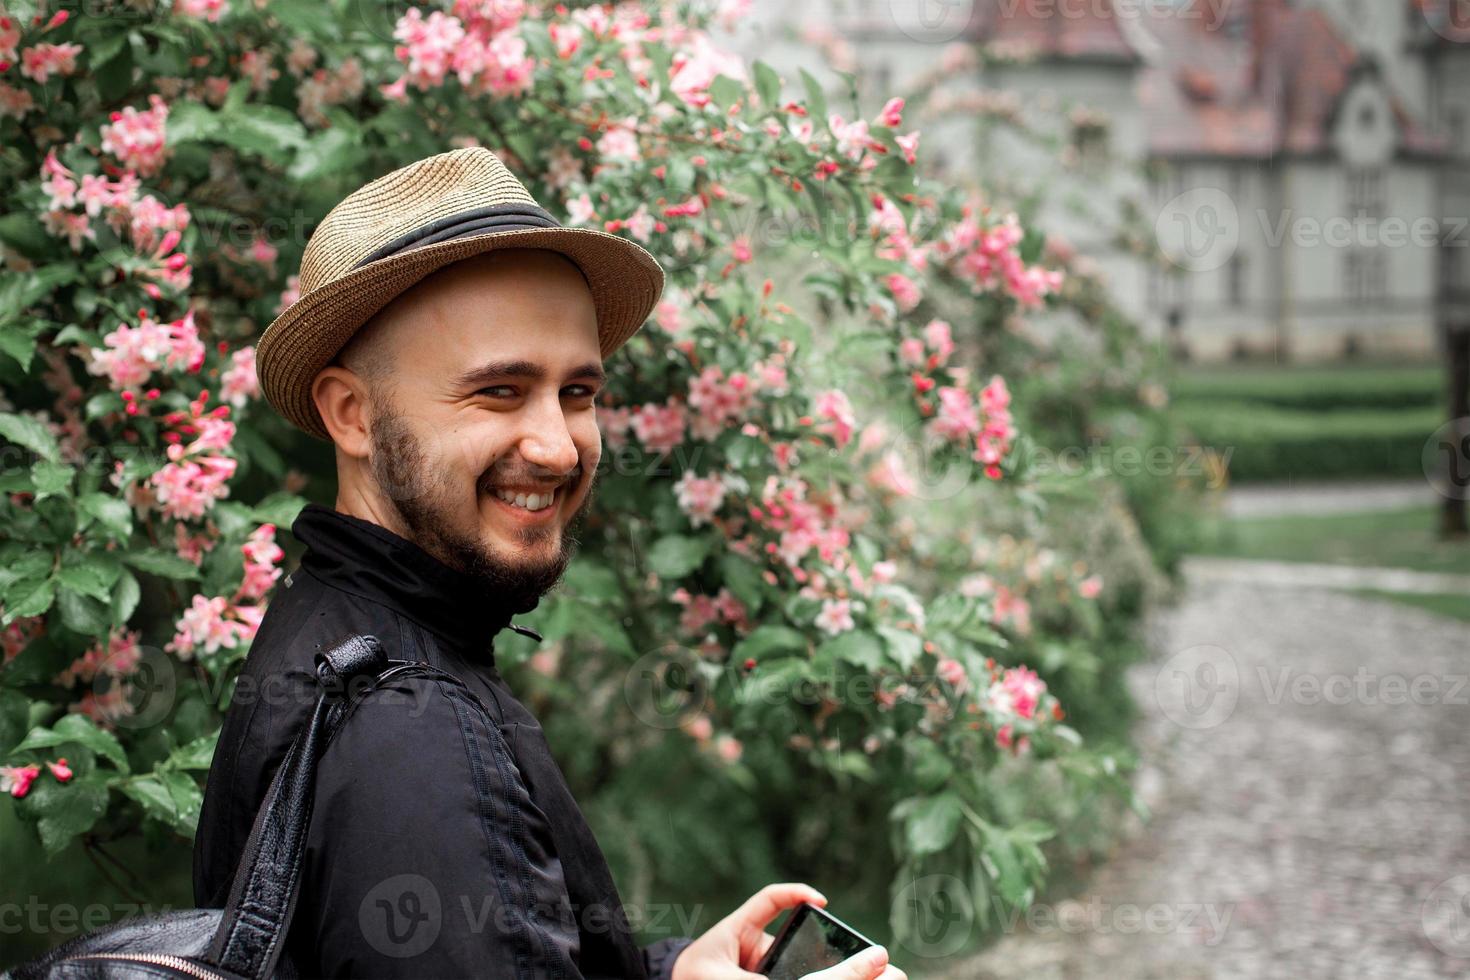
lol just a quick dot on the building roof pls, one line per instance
(1230, 78)
(1046, 29)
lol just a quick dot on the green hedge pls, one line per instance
(1317, 388)
(1267, 443)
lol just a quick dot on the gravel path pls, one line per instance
(1286, 499)
(1311, 820)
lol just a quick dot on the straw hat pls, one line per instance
(390, 234)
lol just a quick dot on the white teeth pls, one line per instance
(530, 501)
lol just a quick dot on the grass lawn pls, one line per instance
(1453, 606)
(1395, 539)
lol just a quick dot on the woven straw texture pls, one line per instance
(336, 298)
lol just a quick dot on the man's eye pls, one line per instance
(498, 391)
(579, 391)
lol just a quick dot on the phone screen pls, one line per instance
(813, 940)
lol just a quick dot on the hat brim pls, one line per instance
(625, 280)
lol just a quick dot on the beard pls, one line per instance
(424, 502)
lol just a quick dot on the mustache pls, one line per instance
(498, 474)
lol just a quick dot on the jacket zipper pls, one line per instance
(175, 963)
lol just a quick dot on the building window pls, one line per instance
(1365, 192)
(1366, 271)
(1235, 280)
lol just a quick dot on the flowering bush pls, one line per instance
(748, 611)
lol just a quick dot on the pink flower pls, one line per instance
(884, 571)
(1018, 692)
(239, 382)
(187, 488)
(952, 672)
(39, 63)
(908, 143)
(580, 210)
(892, 114)
(939, 337)
(911, 350)
(60, 770)
(699, 728)
(905, 291)
(130, 355)
(15, 102)
(1090, 587)
(718, 400)
(835, 617)
(428, 45)
(117, 658)
(614, 424)
(660, 427)
(694, 67)
(620, 143)
(699, 497)
(205, 624)
(262, 555)
(137, 138)
(16, 780)
(209, 10)
(957, 419)
(728, 748)
(834, 406)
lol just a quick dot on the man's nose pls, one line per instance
(548, 442)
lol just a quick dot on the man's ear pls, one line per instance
(341, 398)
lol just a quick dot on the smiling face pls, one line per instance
(464, 417)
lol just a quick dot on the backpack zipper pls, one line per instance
(176, 963)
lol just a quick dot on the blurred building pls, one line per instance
(1304, 163)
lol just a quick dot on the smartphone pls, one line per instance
(812, 939)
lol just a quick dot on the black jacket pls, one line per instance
(444, 841)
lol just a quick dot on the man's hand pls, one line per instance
(733, 947)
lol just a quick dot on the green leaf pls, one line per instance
(743, 579)
(903, 646)
(190, 122)
(80, 729)
(161, 563)
(82, 614)
(725, 91)
(33, 435)
(113, 513)
(169, 796)
(816, 100)
(766, 640)
(767, 85)
(18, 344)
(89, 574)
(676, 555)
(61, 811)
(857, 647)
(933, 823)
(125, 596)
(197, 754)
(51, 479)
(30, 598)
(14, 719)
(328, 152)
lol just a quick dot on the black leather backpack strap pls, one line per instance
(267, 879)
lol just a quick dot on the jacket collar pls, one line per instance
(369, 561)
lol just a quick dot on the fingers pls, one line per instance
(870, 964)
(763, 907)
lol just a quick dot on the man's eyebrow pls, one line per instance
(500, 370)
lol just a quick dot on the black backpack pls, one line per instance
(245, 938)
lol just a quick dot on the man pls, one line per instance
(449, 340)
